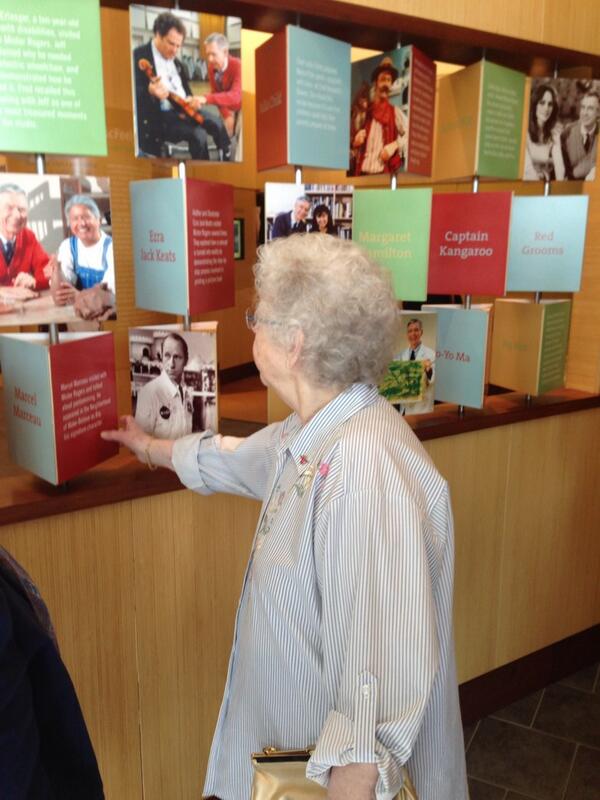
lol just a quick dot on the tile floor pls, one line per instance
(543, 747)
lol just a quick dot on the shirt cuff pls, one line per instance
(184, 458)
(346, 741)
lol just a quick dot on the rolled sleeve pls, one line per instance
(202, 466)
(379, 635)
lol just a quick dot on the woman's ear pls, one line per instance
(295, 351)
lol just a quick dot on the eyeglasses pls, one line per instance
(252, 320)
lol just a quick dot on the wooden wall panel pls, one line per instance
(190, 555)
(551, 560)
(572, 23)
(83, 566)
(475, 466)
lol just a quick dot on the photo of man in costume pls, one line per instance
(579, 140)
(165, 405)
(166, 110)
(379, 132)
(225, 78)
(24, 264)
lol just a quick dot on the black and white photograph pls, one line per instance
(562, 130)
(174, 379)
(308, 208)
(187, 84)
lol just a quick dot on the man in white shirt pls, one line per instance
(164, 405)
(417, 351)
(159, 117)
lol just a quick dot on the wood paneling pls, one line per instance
(190, 556)
(475, 466)
(551, 559)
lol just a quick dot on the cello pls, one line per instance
(178, 103)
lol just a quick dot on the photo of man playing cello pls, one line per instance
(170, 79)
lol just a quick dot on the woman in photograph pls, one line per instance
(343, 636)
(543, 154)
(322, 221)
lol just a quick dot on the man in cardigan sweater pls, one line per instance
(225, 77)
(580, 140)
(23, 261)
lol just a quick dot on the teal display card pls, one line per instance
(158, 219)
(547, 240)
(318, 99)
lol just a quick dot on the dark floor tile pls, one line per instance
(516, 796)
(468, 733)
(521, 759)
(571, 714)
(585, 679)
(584, 783)
(478, 790)
(522, 711)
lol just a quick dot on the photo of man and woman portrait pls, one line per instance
(56, 250)
(409, 382)
(379, 113)
(308, 208)
(562, 130)
(174, 379)
(187, 84)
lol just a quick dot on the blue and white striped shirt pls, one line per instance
(343, 633)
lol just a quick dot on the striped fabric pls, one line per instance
(343, 632)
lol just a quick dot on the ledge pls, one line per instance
(25, 497)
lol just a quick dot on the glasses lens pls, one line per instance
(250, 319)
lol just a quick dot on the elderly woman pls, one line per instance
(343, 635)
(86, 261)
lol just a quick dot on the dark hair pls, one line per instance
(322, 209)
(181, 341)
(165, 21)
(537, 94)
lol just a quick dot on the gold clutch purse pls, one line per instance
(281, 775)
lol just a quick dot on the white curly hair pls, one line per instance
(341, 300)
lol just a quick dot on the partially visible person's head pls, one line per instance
(301, 208)
(414, 332)
(341, 301)
(83, 216)
(13, 210)
(169, 34)
(174, 356)
(216, 48)
(322, 220)
(543, 112)
(589, 110)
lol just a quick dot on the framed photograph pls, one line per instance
(308, 208)
(238, 238)
(187, 84)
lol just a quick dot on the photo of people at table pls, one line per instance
(56, 250)
(187, 84)
(562, 130)
(308, 208)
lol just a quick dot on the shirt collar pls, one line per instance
(305, 442)
(168, 384)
